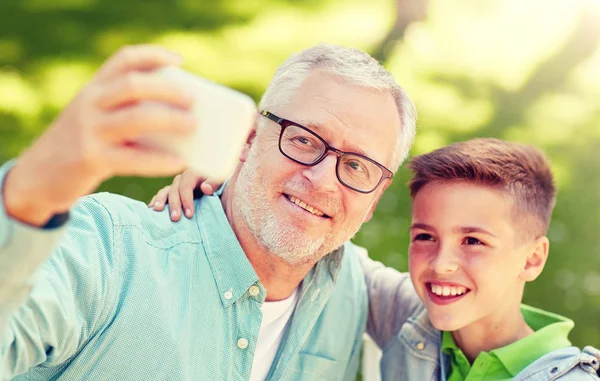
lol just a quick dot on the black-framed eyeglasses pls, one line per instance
(303, 146)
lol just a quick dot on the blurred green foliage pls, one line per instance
(521, 70)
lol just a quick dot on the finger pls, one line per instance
(174, 201)
(209, 187)
(129, 123)
(138, 57)
(136, 86)
(189, 180)
(139, 161)
(152, 201)
(161, 198)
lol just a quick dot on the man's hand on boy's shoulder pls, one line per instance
(181, 193)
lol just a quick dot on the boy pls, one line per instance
(480, 214)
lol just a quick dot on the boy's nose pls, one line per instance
(444, 262)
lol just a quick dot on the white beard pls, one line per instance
(281, 239)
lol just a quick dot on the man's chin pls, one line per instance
(294, 257)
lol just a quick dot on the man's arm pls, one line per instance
(392, 299)
(44, 318)
(48, 313)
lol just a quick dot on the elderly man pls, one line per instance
(260, 284)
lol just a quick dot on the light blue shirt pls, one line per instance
(122, 293)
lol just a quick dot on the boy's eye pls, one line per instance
(472, 241)
(423, 237)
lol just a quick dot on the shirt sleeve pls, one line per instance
(392, 299)
(54, 286)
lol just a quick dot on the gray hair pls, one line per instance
(354, 66)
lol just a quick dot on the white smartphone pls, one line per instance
(224, 120)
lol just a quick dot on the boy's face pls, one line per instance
(465, 262)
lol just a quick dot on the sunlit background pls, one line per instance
(525, 70)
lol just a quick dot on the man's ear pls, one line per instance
(380, 191)
(248, 144)
(536, 259)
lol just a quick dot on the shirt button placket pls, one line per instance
(254, 290)
(242, 343)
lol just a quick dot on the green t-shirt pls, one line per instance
(551, 332)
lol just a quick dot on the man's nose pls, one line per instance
(323, 175)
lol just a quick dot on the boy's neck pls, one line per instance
(489, 334)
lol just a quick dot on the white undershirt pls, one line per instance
(275, 317)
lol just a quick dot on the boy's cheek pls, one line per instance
(417, 265)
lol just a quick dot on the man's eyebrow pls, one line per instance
(319, 130)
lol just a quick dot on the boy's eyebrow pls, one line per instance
(422, 226)
(461, 229)
(473, 229)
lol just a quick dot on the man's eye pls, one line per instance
(472, 241)
(423, 237)
(356, 166)
(302, 140)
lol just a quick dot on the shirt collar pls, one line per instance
(457, 359)
(551, 333)
(448, 343)
(232, 270)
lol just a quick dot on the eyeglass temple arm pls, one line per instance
(270, 116)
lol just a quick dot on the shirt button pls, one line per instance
(242, 343)
(420, 345)
(228, 295)
(254, 290)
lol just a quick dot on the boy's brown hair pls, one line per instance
(522, 172)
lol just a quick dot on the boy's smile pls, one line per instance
(445, 293)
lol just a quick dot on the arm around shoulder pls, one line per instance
(392, 298)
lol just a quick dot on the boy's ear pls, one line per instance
(536, 259)
(247, 145)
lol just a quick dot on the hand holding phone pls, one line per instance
(224, 118)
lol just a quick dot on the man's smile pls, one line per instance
(305, 206)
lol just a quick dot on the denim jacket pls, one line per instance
(411, 345)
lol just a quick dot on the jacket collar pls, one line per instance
(558, 363)
(552, 366)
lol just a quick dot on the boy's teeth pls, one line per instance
(447, 290)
